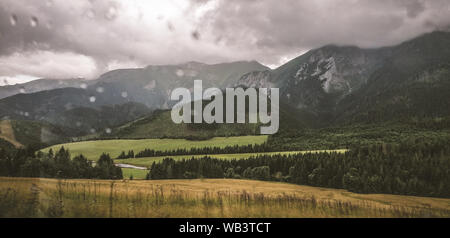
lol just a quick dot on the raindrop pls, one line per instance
(34, 22)
(150, 85)
(90, 14)
(124, 94)
(170, 26)
(26, 114)
(22, 90)
(100, 89)
(49, 25)
(13, 20)
(68, 106)
(83, 86)
(108, 130)
(180, 73)
(78, 124)
(92, 99)
(192, 73)
(195, 35)
(219, 40)
(111, 14)
(92, 130)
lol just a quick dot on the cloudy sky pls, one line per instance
(84, 38)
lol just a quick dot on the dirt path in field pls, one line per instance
(130, 166)
(7, 133)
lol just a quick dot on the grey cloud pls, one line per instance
(290, 25)
(414, 8)
(115, 33)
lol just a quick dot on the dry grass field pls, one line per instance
(34, 197)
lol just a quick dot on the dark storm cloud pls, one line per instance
(95, 35)
(414, 8)
(277, 28)
(62, 39)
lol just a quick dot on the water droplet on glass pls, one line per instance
(111, 14)
(100, 89)
(22, 90)
(92, 99)
(92, 130)
(192, 73)
(170, 26)
(68, 106)
(108, 130)
(124, 94)
(150, 85)
(78, 124)
(34, 22)
(219, 40)
(13, 20)
(195, 35)
(26, 114)
(49, 25)
(180, 73)
(90, 14)
(83, 86)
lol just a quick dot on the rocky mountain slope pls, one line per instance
(329, 86)
(338, 84)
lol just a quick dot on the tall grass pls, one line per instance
(91, 198)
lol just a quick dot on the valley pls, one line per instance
(93, 149)
(362, 133)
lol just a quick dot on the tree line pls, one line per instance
(28, 163)
(236, 149)
(417, 168)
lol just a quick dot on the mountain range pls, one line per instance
(329, 86)
(345, 83)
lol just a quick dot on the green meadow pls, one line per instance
(137, 173)
(93, 149)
